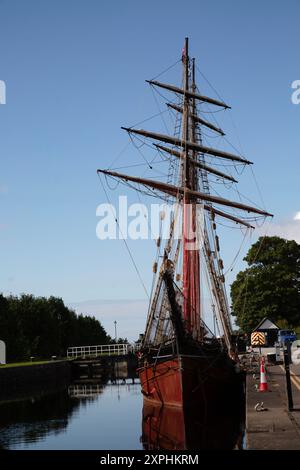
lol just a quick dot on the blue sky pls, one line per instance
(74, 72)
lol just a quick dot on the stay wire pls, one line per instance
(253, 261)
(210, 84)
(160, 112)
(167, 69)
(234, 261)
(258, 189)
(120, 153)
(127, 247)
(149, 118)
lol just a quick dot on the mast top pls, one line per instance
(188, 148)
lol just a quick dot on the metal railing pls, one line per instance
(85, 391)
(100, 350)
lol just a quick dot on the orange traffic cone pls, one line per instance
(263, 386)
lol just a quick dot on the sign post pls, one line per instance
(258, 339)
(2, 352)
(287, 356)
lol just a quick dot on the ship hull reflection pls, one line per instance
(173, 428)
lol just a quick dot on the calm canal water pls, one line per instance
(82, 417)
(95, 416)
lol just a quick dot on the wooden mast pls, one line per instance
(195, 280)
(190, 303)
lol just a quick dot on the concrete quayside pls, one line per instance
(270, 424)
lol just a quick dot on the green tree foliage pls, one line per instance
(119, 341)
(40, 327)
(270, 286)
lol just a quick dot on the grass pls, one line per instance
(24, 364)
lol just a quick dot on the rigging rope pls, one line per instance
(126, 244)
(258, 189)
(253, 261)
(120, 153)
(167, 69)
(234, 261)
(160, 112)
(149, 118)
(208, 82)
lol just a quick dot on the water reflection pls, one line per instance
(84, 415)
(100, 414)
(89, 390)
(171, 428)
(34, 418)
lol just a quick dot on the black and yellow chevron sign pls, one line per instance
(257, 339)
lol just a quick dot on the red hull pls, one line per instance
(184, 381)
(191, 403)
(162, 383)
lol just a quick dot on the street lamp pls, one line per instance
(116, 362)
(115, 322)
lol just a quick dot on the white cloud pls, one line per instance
(289, 229)
(297, 216)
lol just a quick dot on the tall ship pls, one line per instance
(183, 363)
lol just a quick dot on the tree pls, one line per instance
(40, 327)
(119, 341)
(11, 331)
(270, 286)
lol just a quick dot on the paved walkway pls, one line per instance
(276, 428)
